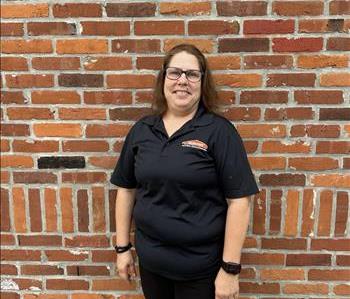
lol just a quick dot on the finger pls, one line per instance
(132, 270)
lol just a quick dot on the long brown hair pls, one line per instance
(208, 92)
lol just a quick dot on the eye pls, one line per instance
(193, 75)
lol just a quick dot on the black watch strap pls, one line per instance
(121, 249)
(231, 268)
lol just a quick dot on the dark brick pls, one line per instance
(128, 113)
(52, 28)
(5, 211)
(80, 80)
(131, 9)
(87, 270)
(34, 177)
(285, 179)
(263, 97)
(61, 162)
(335, 25)
(308, 260)
(83, 211)
(243, 45)
(338, 44)
(335, 114)
(35, 210)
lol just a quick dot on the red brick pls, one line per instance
(82, 46)
(284, 244)
(291, 79)
(328, 275)
(56, 63)
(118, 28)
(8, 269)
(35, 146)
(128, 114)
(67, 284)
(286, 147)
(32, 177)
(42, 240)
(308, 259)
(284, 179)
(12, 97)
(250, 44)
(50, 28)
(104, 256)
(35, 214)
(267, 163)
(26, 46)
(297, 44)
(83, 211)
(264, 130)
(275, 211)
(16, 161)
(346, 163)
(204, 45)
(76, 10)
(41, 270)
(338, 44)
(322, 61)
(238, 80)
(343, 260)
(315, 131)
(113, 284)
(341, 289)
(262, 258)
(130, 81)
(143, 97)
(259, 288)
(85, 146)
(29, 113)
(5, 211)
(87, 241)
(29, 81)
(136, 45)
(14, 130)
(241, 8)
(88, 270)
(45, 296)
(331, 180)
(108, 63)
(297, 8)
(298, 288)
(107, 97)
(330, 244)
(24, 10)
(104, 296)
(149, 62)
(259, 213)
(159, 27)
(55, 97)
(84, 177)
(313, 163)
(81, 113)
(334, 114)
(4, 145)
(98, 209)
(341, 7)
(11, 29)
(50, 209)
(7, 239)
(20, 255)
(291, 213)
(282, 274)
(288, 113)
(263, 96)
(9, 295)
(14, 64)
(185, 8)
(19, 210)
(268, 62)
(268, 26)
(341, 213)
(212, 27)
(322, 25)
(57, 130)
(67, 256)
(318, 96)
(335, 79)
(325, 213)
(141, 9)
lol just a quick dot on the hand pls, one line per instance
(125, 265)
(226, 285)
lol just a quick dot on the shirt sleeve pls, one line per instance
(124, 172)
(234, 173)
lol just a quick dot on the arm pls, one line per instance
(237, 220)
(123, 212)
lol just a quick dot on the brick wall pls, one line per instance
(75, 77)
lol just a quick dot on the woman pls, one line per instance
(184, 176)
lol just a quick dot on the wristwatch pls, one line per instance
(231, 268)
(121, 249)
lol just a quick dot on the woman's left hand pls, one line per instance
(226, 285)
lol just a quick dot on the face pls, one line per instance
(181, 94)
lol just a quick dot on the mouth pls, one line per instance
(181, 92)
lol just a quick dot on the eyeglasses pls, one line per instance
(174, 73)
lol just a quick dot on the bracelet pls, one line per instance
(121, 249)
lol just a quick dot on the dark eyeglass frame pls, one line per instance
(183, 72)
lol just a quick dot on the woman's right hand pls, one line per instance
(125, 265)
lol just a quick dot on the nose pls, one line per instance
(182, 79)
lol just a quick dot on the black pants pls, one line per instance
(158, 287)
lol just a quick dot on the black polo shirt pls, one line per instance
(182, 183)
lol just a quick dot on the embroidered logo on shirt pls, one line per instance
(195, 144)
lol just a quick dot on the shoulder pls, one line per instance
(222, 124)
